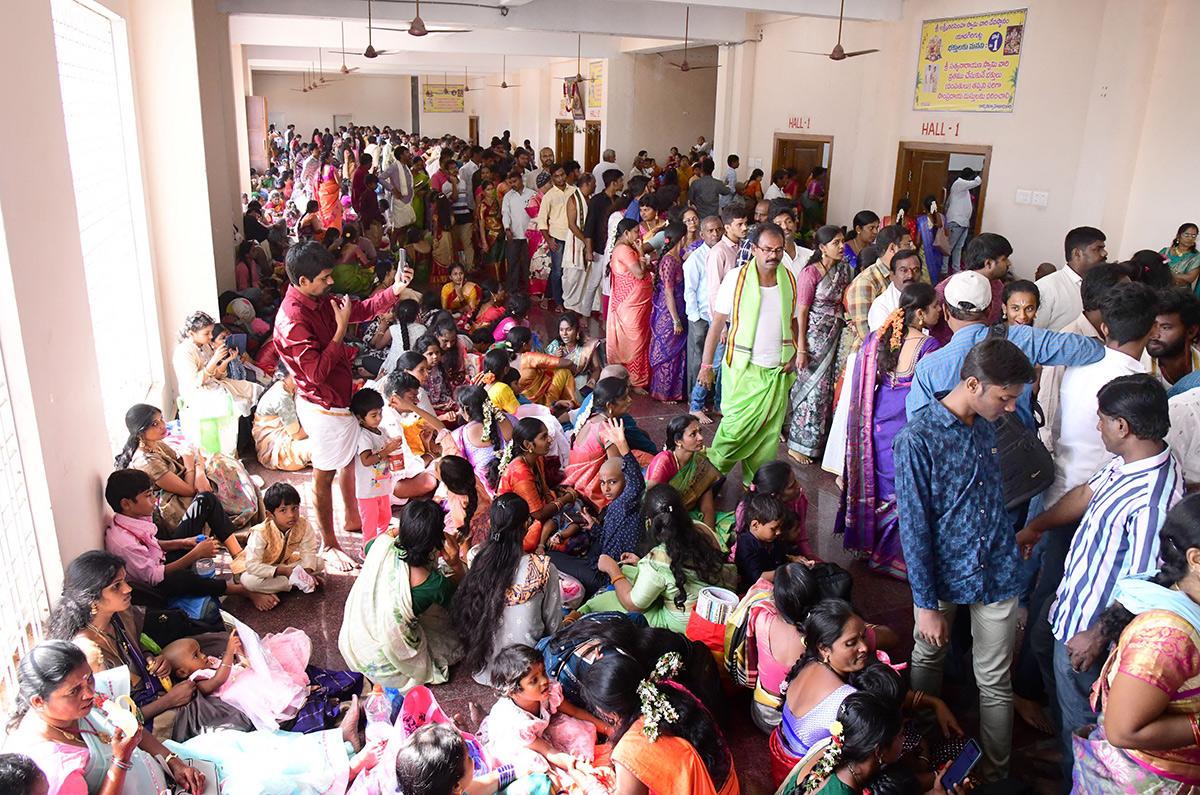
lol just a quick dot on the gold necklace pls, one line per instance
(71, 736)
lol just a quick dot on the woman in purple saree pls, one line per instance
(668, 324)
(883, 374)
(927, 226)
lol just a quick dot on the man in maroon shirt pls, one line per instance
(309, 329)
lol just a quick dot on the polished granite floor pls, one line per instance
(881, 599)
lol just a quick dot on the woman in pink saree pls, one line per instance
(629, 307)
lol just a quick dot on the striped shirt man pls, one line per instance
(1117, 537)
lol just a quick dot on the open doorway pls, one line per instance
(804, 154)
(473, 130)
(930, 169)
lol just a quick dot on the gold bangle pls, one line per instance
(166, 760)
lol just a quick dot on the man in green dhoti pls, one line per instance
(759, 303)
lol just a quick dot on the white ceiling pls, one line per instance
(287, 35)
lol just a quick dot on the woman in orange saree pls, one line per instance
(329, 194)
(629, 307)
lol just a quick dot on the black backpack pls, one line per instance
(1025, 464)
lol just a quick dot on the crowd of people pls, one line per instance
(1017, 451)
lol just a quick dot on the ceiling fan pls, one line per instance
(321, 63)
(578, 78)
(370, 52)
(685, 66)
(344, 70)
(467, 82)
(417, 26)
(839, 53)
(503, 70)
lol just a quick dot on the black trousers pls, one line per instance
(516, 253)
(205, 509)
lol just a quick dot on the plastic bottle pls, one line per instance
(379, 713)
(204, 567)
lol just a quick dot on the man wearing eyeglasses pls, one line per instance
(759, 303)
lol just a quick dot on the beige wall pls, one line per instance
(1086, 124)
(49, 361)
(1162, 194)
(371, 99)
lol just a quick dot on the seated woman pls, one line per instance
(280, 442)
(353, 273)
(489, 312)
(95, 614)
(513, 596)
(394, 628)
(545, 379)
(870, 735)
(520, 470)
(57, 723)
(516, 314)
(683, 464)
(665, 742)
(185, 494)
(202, 372)
(465, 500)
(572, 343)
(1148, 688)
(399, 335)
(610, 400)
(436, 384)
(458, 363)
(310, 225)
(485, 429)
(460, 297)
(835, 646)
(664, 583)
(778, 479)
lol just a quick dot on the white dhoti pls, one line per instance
(334, 434)
(834, 459)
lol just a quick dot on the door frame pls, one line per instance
(821, 139)
(588, 126)
(961, 149)
(473, 130)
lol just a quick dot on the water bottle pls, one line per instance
(204, 567)
(379, 715)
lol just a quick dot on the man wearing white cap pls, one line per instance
(967, 307)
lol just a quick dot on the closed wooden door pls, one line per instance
(924, 174)
(473, 130)
(564, 141)
(591, 151)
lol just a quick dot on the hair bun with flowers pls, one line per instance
(828, 761)
(895, 321)
(655, 706)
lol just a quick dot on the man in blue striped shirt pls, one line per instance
(1119, 510)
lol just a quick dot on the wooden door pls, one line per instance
(802, 154)
(591, 150)
(924, 174)
(473, 130)
(564, 140)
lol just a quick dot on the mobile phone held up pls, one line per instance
(236, 342)
(958, 770)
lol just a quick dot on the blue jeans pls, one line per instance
(1074, 699)
(958, 239)
(556, 255)
(700, 393)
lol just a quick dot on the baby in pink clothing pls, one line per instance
(532, 727)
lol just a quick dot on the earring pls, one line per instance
(95, 609)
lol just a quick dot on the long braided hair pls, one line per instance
(890, 337)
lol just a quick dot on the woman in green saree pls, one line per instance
(683, 464)
(1183, 258)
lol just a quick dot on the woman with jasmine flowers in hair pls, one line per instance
(665, 741)
(882, 377)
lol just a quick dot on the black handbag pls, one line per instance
(1026, 466)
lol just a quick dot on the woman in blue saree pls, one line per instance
(928, 225)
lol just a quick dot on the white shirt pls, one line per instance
(396, 177)
(958, 206)
(1079, 451)
(768, 333)
(731, 181)
(374, 480)
(466, 176)
(803, 255)
(512, 212)
(602, 168)
(882, 306)
(1184, 436)
(1061, 301)
(773, 191)
(695, 284)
